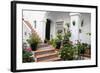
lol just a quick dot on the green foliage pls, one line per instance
(82, 47)
(33, 39)
(67, 24)
(53, 42)
(67, 35)
(88, 34)
(59, 37)
(67, 52)
(26, 54)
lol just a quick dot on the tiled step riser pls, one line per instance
(47, 57)
(46, 47)
(42, 45)
(44, 52)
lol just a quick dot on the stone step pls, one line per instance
(48, 51)
(41, 45)
(44, 49)
(52, 59)
(46, 55)
(86, 55)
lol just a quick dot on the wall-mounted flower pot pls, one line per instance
(73, 23)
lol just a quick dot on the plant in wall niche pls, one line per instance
(88, 34)
(80, 31)
(68, 25)
(73, 22)
(33, 41)
(82, 22)
(35, 23)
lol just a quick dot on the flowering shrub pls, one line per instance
(27, 53)
(67, 52)
(28, 49)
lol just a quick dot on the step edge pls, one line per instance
(46, 55)
(44, 50)
(53, 59)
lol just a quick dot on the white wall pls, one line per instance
(86, 28)
(74, 28)
(26, 32)
(83, 36)
(66, 17)
(39, 17)
(56, 17)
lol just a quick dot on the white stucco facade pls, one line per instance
(65, 17)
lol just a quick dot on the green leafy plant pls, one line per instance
(27, 55)
(88, 34)
(82, 47)
(33, 41)
(53, 42)
(59, 37)
(67, 52)
(67, 35)
(67, 24)
(56, 42)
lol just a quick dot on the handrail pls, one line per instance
(31, 28)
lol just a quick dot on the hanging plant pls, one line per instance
(88, 34)
(82, 22)
(68, 25)
(73, 23)
(80, 30)
(35, 22)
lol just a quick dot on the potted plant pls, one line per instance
(58, 41)
(66, 37)
(33, 41)
(53, 42)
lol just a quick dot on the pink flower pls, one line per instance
(28, 49)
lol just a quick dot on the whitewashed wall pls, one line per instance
(66, 17)
(26, 33)
(39, 17)
(74, 17)
(86, 28)
(56, 17)
(83, 36)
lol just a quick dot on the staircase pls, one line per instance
(46, 53)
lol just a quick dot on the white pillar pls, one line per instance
(74, 18)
